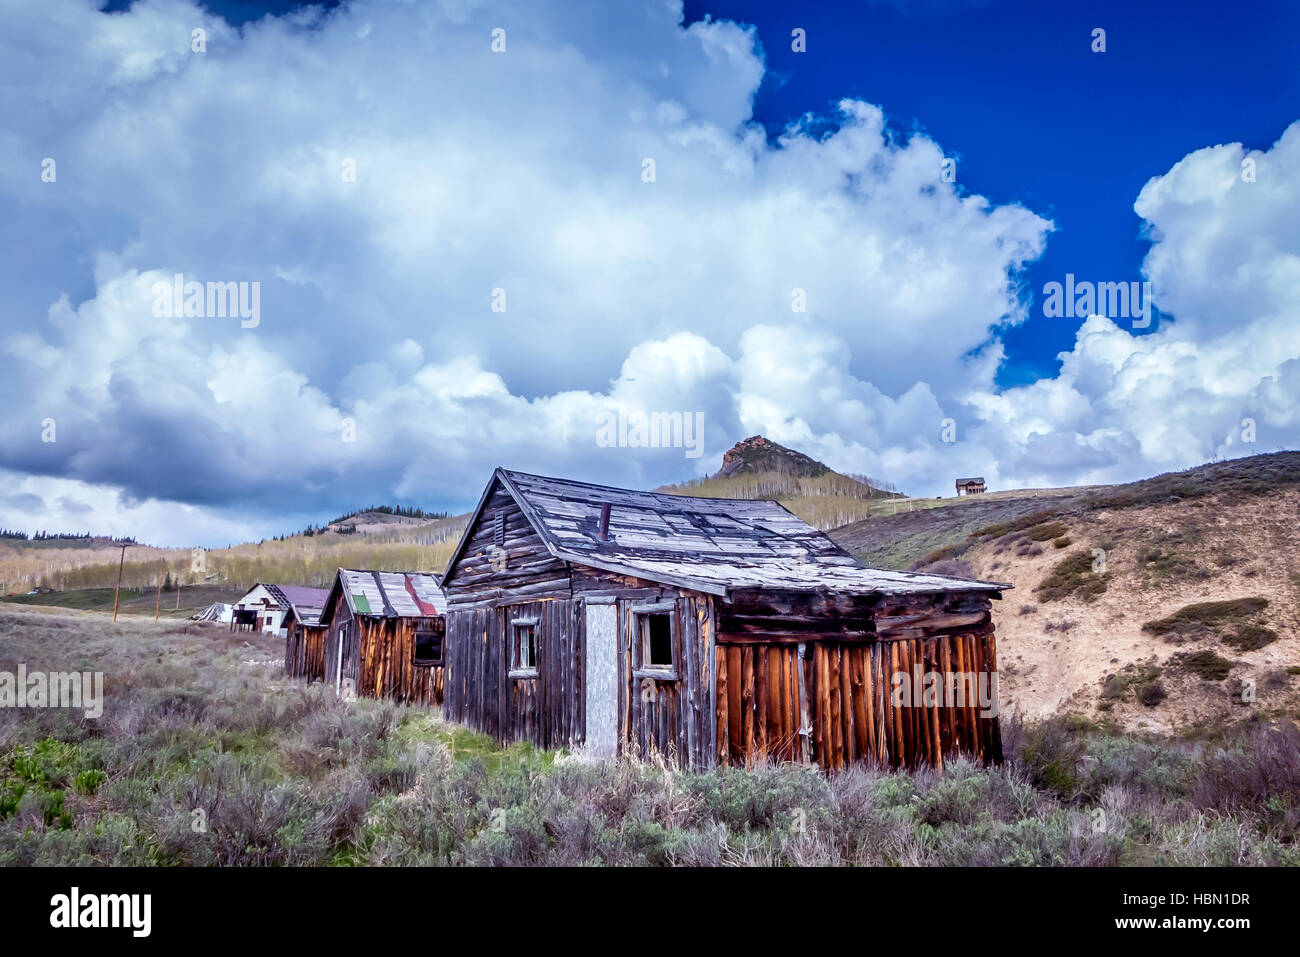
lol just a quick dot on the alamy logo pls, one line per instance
(651, 430)
(931, 689)
(53, 689)
(214, 300)
(132, 911)
(1114, 300)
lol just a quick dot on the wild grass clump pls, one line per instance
(1237, 622)
(1204, 664)
(1072, 576)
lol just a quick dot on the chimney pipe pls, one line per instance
(604, 522)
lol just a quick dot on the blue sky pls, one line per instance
(1014, 91)
(796, 265)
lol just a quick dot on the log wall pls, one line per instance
(385, 662)
(304, 651)
(346, 626)
(528, 571)
(743, 694)
(546, 710)
(670, 718)
(863, 699)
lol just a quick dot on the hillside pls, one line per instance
(758, 468)
(377, 540)
(1195, 600)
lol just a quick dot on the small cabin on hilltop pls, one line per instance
(970, 486)
(710, 631)
(384, 635)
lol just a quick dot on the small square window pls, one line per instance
(523, 648)
(655, 642)
(428, 646)
(658, 641)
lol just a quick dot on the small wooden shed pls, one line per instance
(706, 630)
(384, 635)
(304, 644)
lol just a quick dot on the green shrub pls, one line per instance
(1204, 664)
(89, 781)
(1045, 530)
(1203, 619)
(1072, 576)
(1152, 694)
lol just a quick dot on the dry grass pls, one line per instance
(206, 756)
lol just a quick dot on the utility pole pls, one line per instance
(157, 601)
(120, 562)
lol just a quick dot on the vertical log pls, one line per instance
(858, 694)
(723, 742)
(936, 737)
(760, 704)
(837, 706)
(898, 746)
(747, 703)
(995, 749)
(805, 718)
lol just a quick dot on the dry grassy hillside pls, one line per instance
(1163, 605)
(758, 468)
(399, 544)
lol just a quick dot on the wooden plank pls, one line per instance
(760, 704)
(722, 718)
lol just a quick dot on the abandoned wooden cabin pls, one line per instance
(970, 486)
(706, 630)
(384, 635)
(304, 644)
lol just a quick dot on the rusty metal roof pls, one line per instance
(708, 544)
(388, 594)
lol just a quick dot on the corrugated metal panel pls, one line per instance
(390, 593)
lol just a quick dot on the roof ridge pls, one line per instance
(670, 496)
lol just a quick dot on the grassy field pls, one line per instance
(135, 601)
(205, 755)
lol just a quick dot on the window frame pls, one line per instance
(416, 661)
(516, 646)
(641, 641)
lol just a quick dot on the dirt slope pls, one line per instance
(1071, 639)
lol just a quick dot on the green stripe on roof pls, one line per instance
(361, 604)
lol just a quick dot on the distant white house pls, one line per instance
(267, 605)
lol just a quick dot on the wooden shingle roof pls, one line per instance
(707, 544)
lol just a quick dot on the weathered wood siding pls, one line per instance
(526, 571)
(546, 710)
(304, 651)
(742, 692)
(386, 667)
(843, 691)
(670, 718)
(346, 626)
(675, 718)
